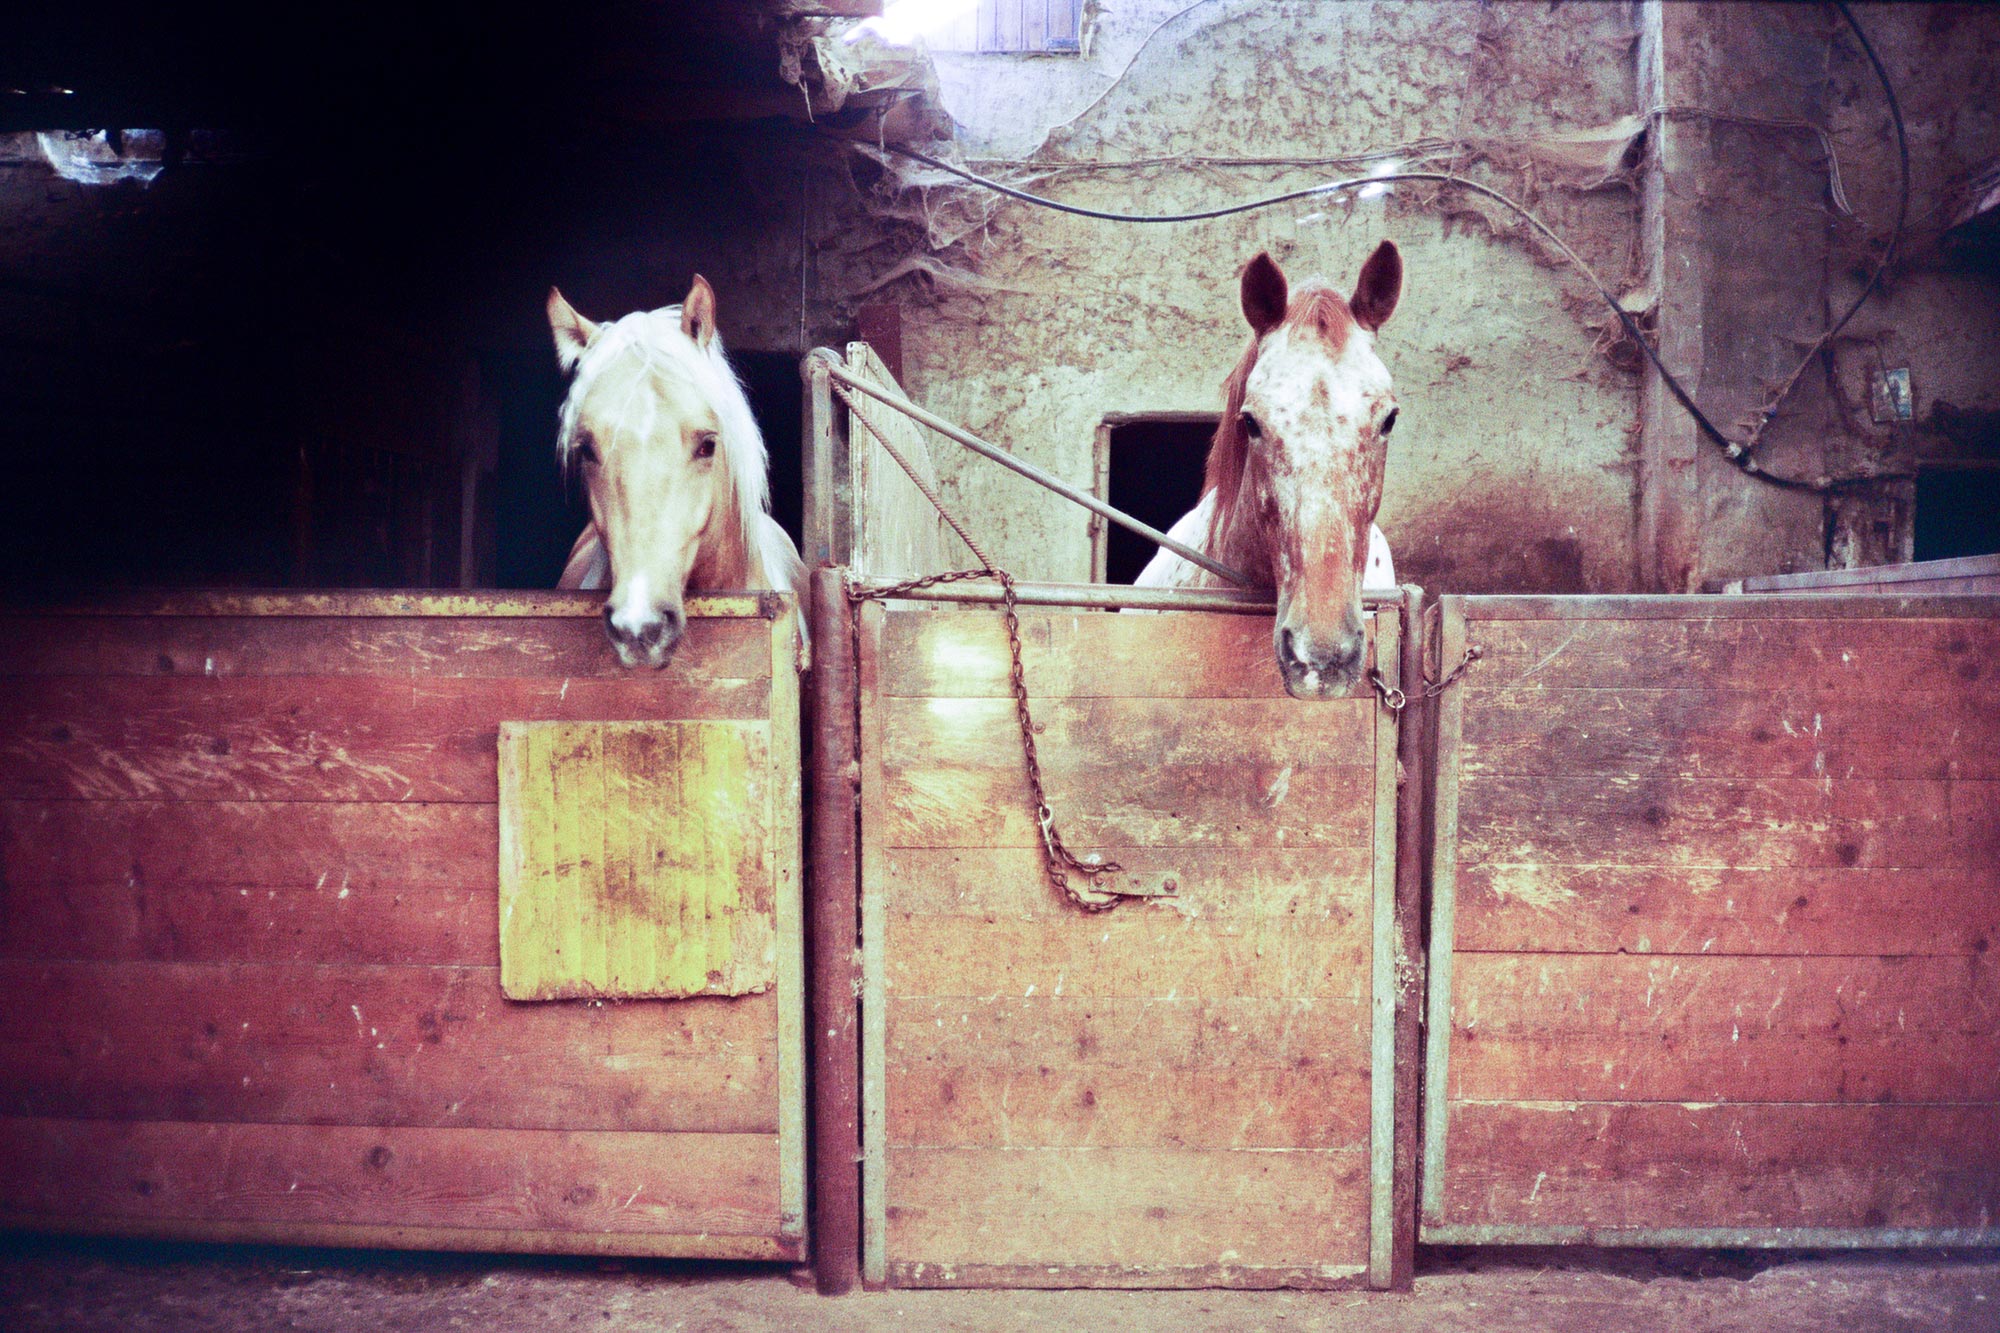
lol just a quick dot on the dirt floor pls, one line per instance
(131, 1288)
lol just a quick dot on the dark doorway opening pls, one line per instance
(540, 514)
(1153, 470)
(1958, 513)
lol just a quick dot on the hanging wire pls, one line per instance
(1739, 453)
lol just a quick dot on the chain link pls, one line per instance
(1056, 856)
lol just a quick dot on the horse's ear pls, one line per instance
(572, 331)
(1380, 284)
(698, 313)
(1264, 293)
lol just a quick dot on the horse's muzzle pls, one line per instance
(1315, 672)
(645, 640)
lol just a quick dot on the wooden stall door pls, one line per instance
(1716, 889)
(1190, 1090)
(250, 982)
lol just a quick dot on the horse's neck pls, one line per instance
(1238, 540)
(727, 557)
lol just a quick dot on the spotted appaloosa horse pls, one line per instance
(1295, 470)
(670, 455)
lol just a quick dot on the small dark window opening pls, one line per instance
(1153, 470)
(1958, 513)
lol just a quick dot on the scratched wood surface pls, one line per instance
(1715, 917)
(633, 862)
(250, 981)
(1174, 1093)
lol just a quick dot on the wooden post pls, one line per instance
(833, 934)
(821, 446)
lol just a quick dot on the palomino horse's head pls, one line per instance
(1299, 457)
(659, 430)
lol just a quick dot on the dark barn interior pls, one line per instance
(309, 351)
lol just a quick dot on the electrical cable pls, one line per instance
(1739, 454)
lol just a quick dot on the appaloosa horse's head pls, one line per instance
(658, 429)
(1298, 458)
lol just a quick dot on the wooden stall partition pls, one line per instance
(1716, 885)
(863, 511)
(250, 948)
(1194, 1089)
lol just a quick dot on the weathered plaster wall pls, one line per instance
(1518, 464)
(1512, 462)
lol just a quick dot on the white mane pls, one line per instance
(656, 337)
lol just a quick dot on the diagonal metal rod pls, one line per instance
(1035, 474)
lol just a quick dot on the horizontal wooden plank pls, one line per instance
(476, 1240)
(507, 604)
(724, 1184)
(1713, 608)
(1728, 822)
(1234, 884)
(1723, 1166)
(1101, 805)
(1127, 1206)
(307, 738)
(1132, 955)
(360, 847)
(1074, 654)
(1535, 908)
(1127, 1277)
(313, 922)
(1049, 1071)
(1809, 652)
(418, 1046)
(1767, 731)
(1012, 1032)
(1110, 732)
(1050, 1107)
(220, 648)
(1617, 1027)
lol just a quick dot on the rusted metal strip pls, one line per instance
(1733, 1238)
(834, 934)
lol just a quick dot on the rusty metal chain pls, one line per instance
(1395, 700)
(1059, 861)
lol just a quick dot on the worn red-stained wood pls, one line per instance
(1080, 654)
(434, 1046)
(833, 938)
(389, 1176)
(1413, 759)
(1721, 890)
(1153, 1206)
(1539, 907)
(220, 648)
(1180, 1091)
(293, 738)
(1240, 885)
(1145, 953)
(1674, 1165)
(1072, 1070)
(248, 861)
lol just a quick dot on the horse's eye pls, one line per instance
(704, 446)
(1388, 423)
(1250, 427)
(586, 452)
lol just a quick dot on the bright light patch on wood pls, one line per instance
(634, 860)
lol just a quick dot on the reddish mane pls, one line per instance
(1314, 309)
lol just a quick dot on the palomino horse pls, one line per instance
(674, 466)
(1295, 470)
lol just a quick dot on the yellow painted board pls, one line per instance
(636, 860)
